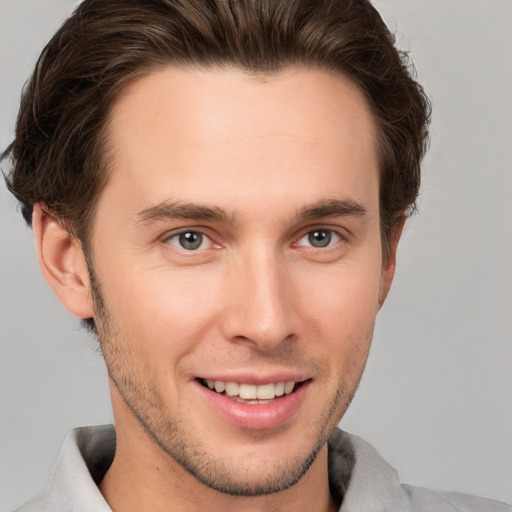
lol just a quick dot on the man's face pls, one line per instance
(236, 245)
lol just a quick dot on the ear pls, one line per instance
(63, 263)
(388, 269)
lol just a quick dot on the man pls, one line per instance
(219, 191)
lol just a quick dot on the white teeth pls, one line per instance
(247, 391)
(250, 402)
(280, 389)
(266, 391)
(251, 393)
(288, 387)
(232, 388)
(219, 386)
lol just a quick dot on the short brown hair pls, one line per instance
(59, 155)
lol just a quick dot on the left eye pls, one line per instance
(189, 240)
(320, 238)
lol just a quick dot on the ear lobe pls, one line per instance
(388, 269)
(63, 263)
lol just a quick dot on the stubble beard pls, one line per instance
(167, 432)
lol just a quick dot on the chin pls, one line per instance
(249, 477)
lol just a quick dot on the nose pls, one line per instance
(260, 308)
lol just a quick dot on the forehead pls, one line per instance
(225, 133)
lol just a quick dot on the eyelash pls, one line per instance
(332, 234)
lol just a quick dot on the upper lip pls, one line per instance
(257, 378)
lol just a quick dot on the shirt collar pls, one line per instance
(358, 475)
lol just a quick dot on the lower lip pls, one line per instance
(256, 416)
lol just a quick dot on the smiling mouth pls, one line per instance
(251, 393)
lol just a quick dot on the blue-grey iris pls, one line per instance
(320, 238)
(190, 240)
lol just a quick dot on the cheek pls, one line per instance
(344, 299)
(162, 307)
(341, 309)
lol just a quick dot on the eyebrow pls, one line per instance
(331, 208)
(185, 211)
(192, 211)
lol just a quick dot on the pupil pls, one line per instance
(190, 240)
(319, 238)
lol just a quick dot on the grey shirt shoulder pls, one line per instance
(374, 485)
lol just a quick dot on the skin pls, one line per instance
(256, 300)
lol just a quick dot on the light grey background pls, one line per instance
(436, 398)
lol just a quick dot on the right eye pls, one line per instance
(320, 238)
(190, 241)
